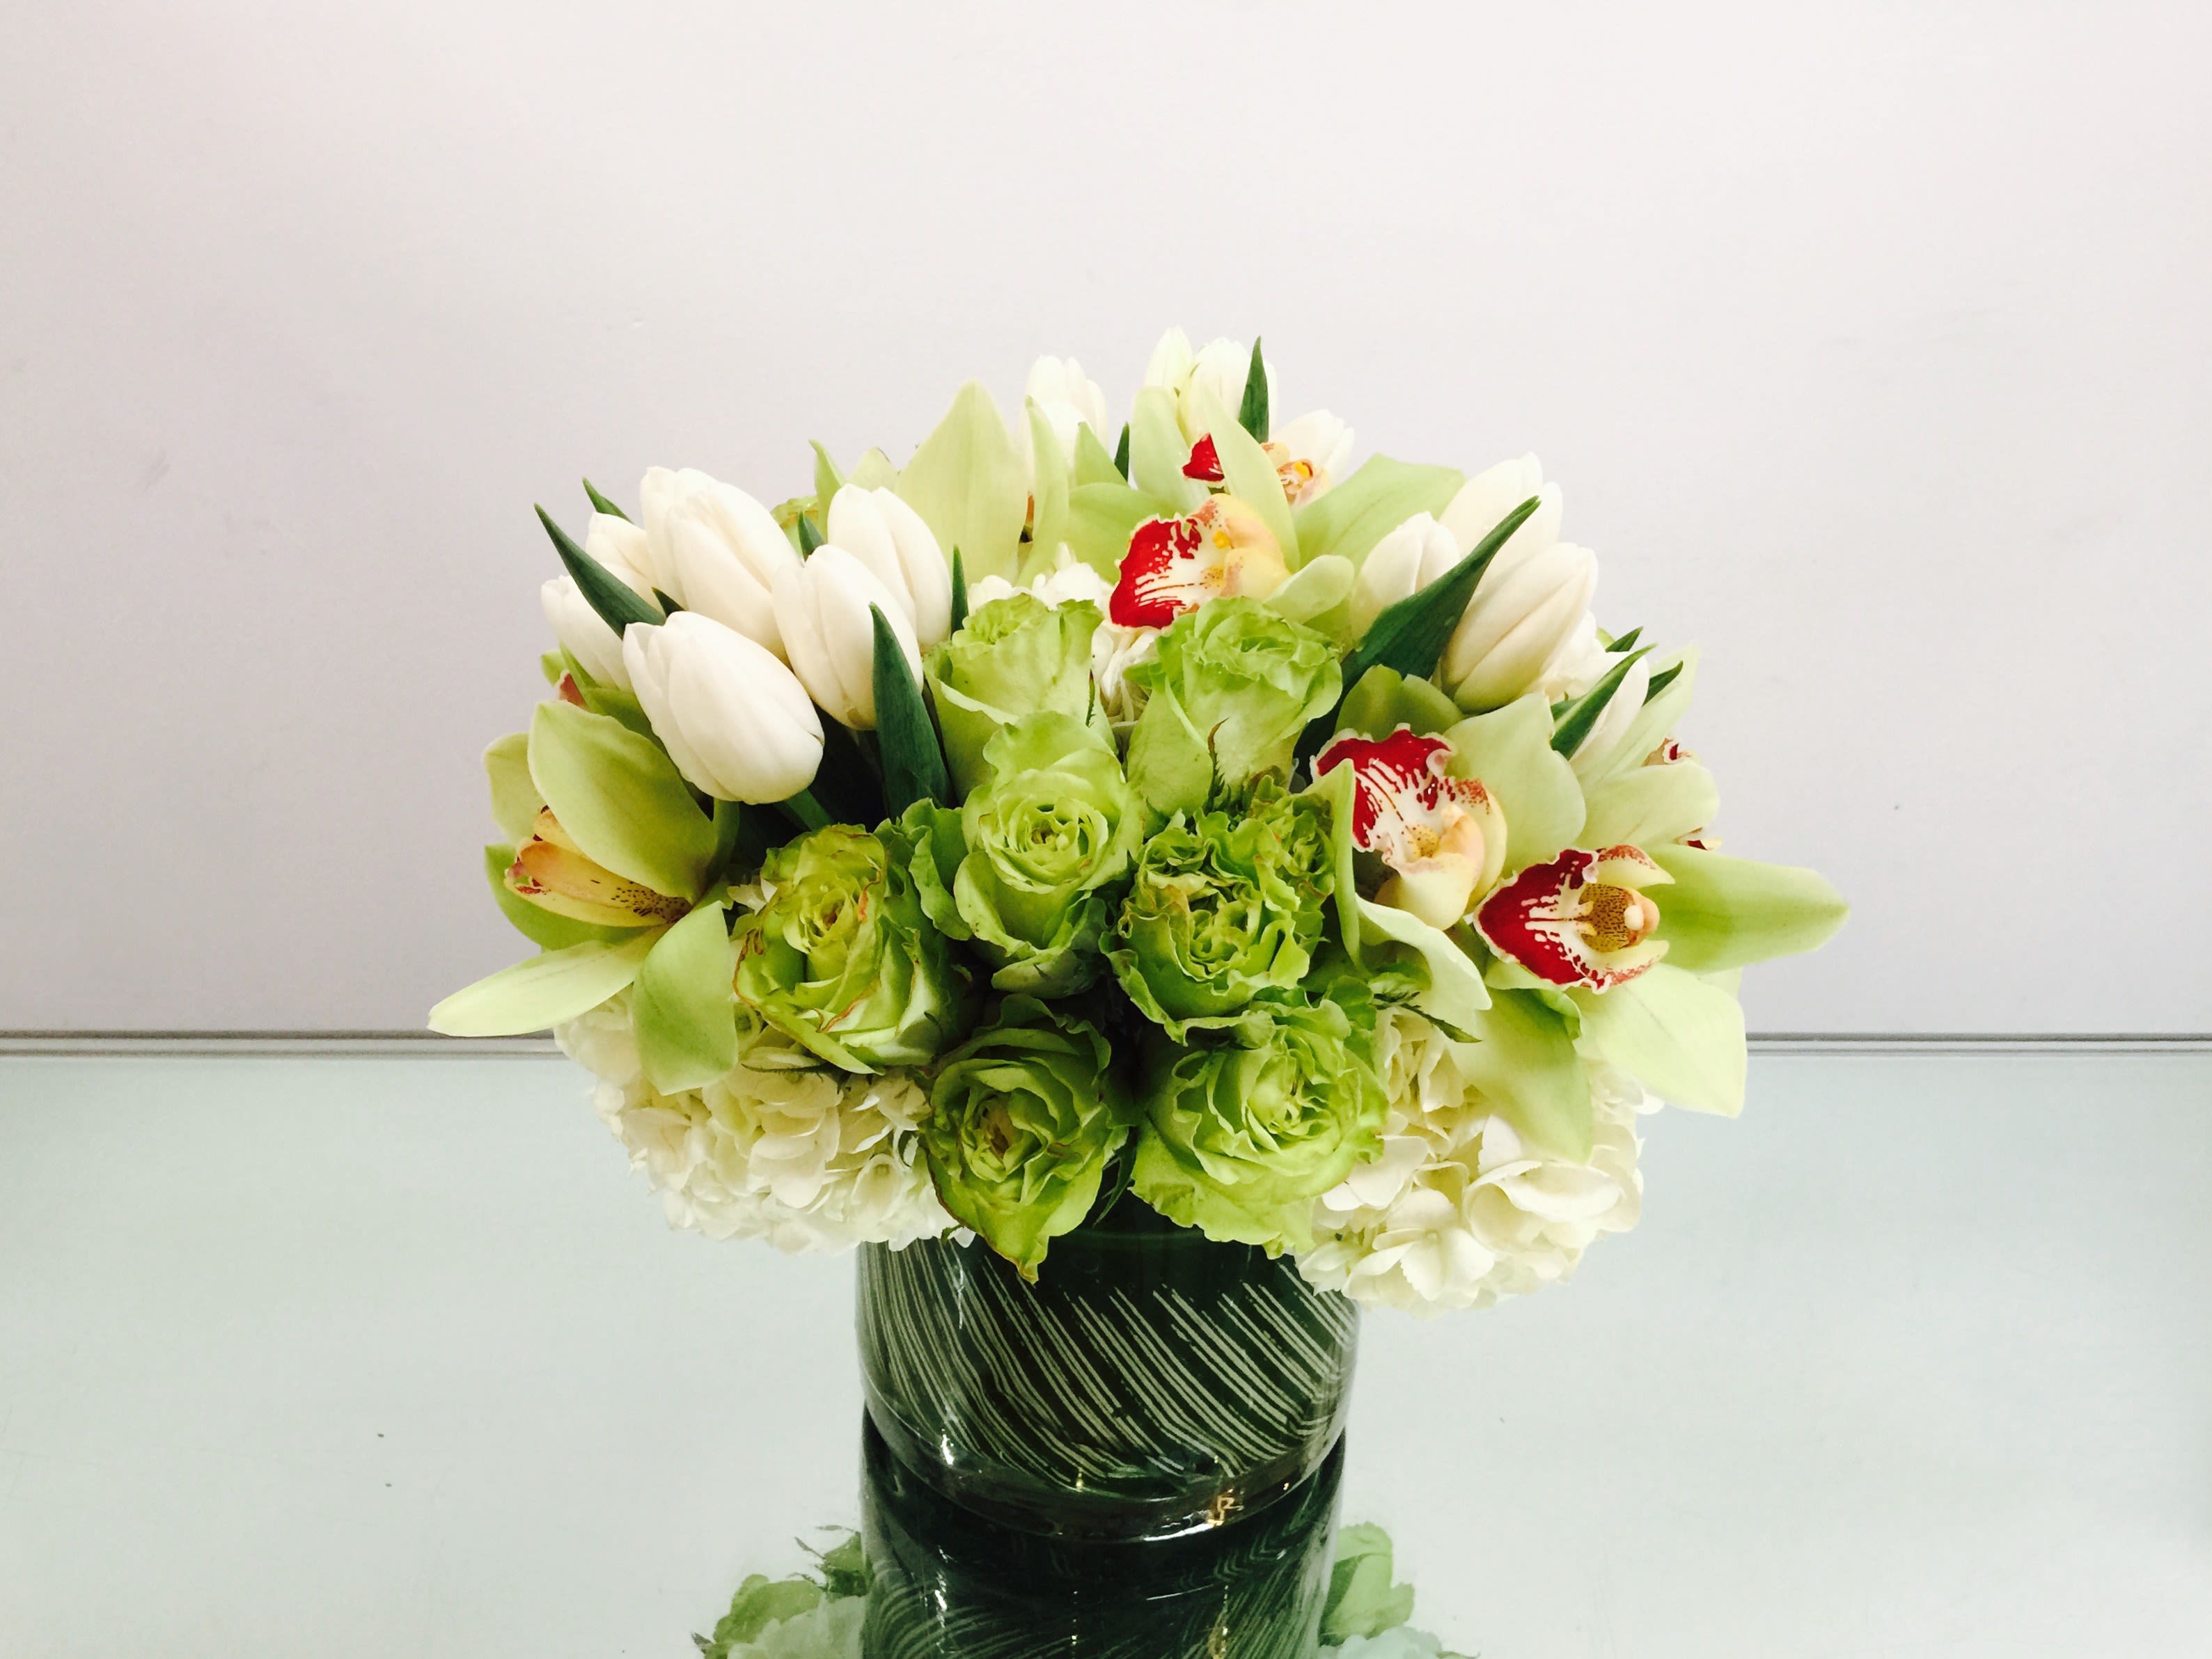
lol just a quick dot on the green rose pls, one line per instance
(1232, 687)
(1051, 829)
(1012, 657)
(842, 965)
(1224, 907)
(1239, 1140)
(1022, 1117)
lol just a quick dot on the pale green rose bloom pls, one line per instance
(1224, 907)
(1049, 835)
(1231, 688)
(1239, 1139)
(1022, 1118)
(842, 965)
(1012, 657)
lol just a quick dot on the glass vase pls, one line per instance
(1150, 1384)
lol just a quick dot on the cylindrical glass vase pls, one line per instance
(1150, 1384)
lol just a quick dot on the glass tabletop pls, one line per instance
(392, 1354)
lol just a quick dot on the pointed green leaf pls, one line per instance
(1160, 452)
(1581, 716)
(684, 1009)
(1250, 477)
(1524, 1061)
(959, 592)
(534, 922)
(1510, 749)
(618, 603)
(809, 537)
(621, 799)
(1624, 641)
(744, 835)
(1092, 464)
(1722, 912)
(667, 606)
(968, 483)
(1348, 518)
(601, 504)
(1252, 414)
(514, 799)
(1122, 453)
(541, 992)
(1660, 681)
(1651, 806)
(1678, 1035)
(913, 764)
(827, 478)
(1661, 713)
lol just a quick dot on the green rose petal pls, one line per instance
(1014, 657)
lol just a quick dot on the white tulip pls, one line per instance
(623, 548)
(1219, 365)
(1402, 563)
(598, 652)
(1532, 602)
(716, 550)
(889, 537)
(733, 718)
(1067, 399)
(1489, 496)
(1620, 712)
(823, 607)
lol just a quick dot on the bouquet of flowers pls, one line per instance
(1201, 823)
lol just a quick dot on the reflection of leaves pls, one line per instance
(1362, 1600)
(841, 1573)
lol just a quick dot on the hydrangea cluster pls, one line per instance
(1178, 815)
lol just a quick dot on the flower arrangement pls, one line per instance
(1201, 823)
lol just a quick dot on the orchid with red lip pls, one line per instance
(1223, 550)
(1583, 919)
(1444, 838)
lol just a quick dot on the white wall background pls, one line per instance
(1871, 344)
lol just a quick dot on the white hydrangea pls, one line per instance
(811, 1160)
(1456, 1211)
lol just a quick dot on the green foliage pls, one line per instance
(914, 767)
(618, 603)
(621, 800)
(1252, 413)
(683, 1009)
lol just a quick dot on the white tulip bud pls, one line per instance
(716, 550)
(594, 646)
(622, 547)
(1620, 712)
(1484, 500)
(1220, 366)
(889, 537)
(822, 608)
(1529, 603)
(1402, 563)
(734, 720)
(1067, 399)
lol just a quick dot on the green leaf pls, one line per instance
(1580, 717)
(1252, 412)
(668, 606)
(760, 1602)
(534, 922)
(1047, 492)
(1524, 1061)
(684, 1009)
(533, 995)
(1678, 1035)
(610, 700)
(1721, 912)
(1660, 681)
(1350, 517)
(744, 836)
(1662, 711)
(621, 799)
(618, 603)
(1092, 464)
(1648, 806)
(968, 483)
(1624, 641)
(1122, 453)
(601, 504)
(809, 537)
(1510, 749)
(1250, 477)
(913, 764)
(1160, 452)
(827, 478)
(959, 592)
(514, 798)
(1101, 518)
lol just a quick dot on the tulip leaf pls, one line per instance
(827, 478)
(959, 593)
(744, 836)
(1626, 641)
(1252, 413)
(1159, 451)
(1250, 477)
(601, 504)
(514, 798)
(805, 811)
(846, 782)
(913, 764)
(968, 483)
(1350, 517)
(1721, 912)
(617, 602)
(541, 992)
(535, 922)
(1680, 1036)
(1664, 705)
(683, 1007)
(1660, 681)
(809, 537)
(1510, 749)
(1092, 464)
(1524, 1063)
(1581, 716)
(668, 605)
(621, 800)
(1410, 635)
(1122, 453)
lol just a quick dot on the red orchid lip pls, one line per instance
(1538, 920)
(1163, 574)
(1205, 462)
(1391, 775)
